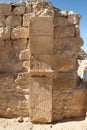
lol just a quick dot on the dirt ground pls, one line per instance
(13, 124)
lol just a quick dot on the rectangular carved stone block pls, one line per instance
(60, 62)
(71, 43)
(62, 32)
(68, 103)
(20, 32)
(41, 45)
(65, 80)
(41, 26)
(40, 99)
(5, 8)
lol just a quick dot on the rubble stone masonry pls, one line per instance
(39, 47)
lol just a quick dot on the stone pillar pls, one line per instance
(56, 92)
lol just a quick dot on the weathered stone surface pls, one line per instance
(63, 61)
(74, 19)
(41, 45)
(6, 78)
(24, 55)
(5, 32)
(19, 10)
(62, 32)
(41, 26)
(26, 19)
(19, 44)
(26, 65)
(68, 103)
(13, 21)
(2, 21)
(63, 78)
(40, 99)
(71, 43)
(5, 8)
(60, 21)
(20, 32)
(29, 7)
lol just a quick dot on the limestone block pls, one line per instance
(41, 26)
(62, 32)
(19, 10)
(13, 21)
(20, 32)
(24, 55)
(65, 61)
(71, 43)
(65, 80)
(74, 19)
(2, 21)
(26, 19)
(68, 103)
(41, 45)
(6, 79)
(5, 32)
(19, 44)
(60, 21)
(77, 31)
(5, 8)
(40, 99)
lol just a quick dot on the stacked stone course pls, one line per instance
(39, 47)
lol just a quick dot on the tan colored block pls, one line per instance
(5, 8)
(62, 32)
(24, 55)
(26, 19)
(2, 21)
(5, 32)
(41, 45)
(40, 99)
(19, 10)
(68, 103)
(60, 21)
(20, 32)
(70, 43)
(13, 21)
(41, 26)
(61, 62)
(19, 44)
(65, 80)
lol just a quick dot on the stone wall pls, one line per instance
(39, 47)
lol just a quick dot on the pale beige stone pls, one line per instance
(26, 19)
(74, 19)
(2, 21)
(19, 10)
(24, 55)
(41, 45)
(5, 32)
(5, 8)
(41, 26)
(13, 21)
(40, 99)
(20, 32)
(68, 31)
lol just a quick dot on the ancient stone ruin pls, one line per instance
(39, 47)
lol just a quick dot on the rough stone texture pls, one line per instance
(5, 9)
(20, 32)
(39, 49)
